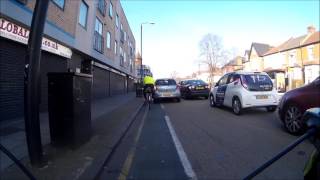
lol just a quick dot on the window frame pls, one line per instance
(117, 20)
(220, 80)
(311, 56)
(99, 34)
(231, 77)
(64, 4)
(110, 10)
(108, 39)
(97, 19)
(86, 19)
(292, 57)
(102, 12)
(115, 47)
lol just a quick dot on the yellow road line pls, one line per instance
(127, 165)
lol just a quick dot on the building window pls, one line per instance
(59, 3)
(115, 47)
(108, 40)
(83, 14)
(102, 7)
(110, 10)
(128, 42)
(121, 57)
(98, 38)
(117, 21)
(131, 65)
(125, 36)
(122, 35)
(292, 58)
(310, 52)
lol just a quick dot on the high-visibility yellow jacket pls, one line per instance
(148, 80)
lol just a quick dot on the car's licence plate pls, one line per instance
(199, 88)
(166, 94)
(261, 96)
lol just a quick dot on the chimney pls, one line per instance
(311, 29)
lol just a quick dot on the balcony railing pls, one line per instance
(102, 7)
(98, 42)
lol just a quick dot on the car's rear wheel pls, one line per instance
(211, 100)
(236, 106)
(178, 99)
(271, 108)
(293, 119)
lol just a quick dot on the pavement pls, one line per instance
(110, 119)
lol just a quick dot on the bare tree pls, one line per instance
(212, 53)
(174, 75)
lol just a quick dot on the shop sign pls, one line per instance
(17, 33)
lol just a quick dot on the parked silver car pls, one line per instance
(166, 88)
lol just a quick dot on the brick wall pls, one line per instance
(66, 18)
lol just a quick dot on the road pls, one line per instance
(205, 143)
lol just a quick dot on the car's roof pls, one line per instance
(247, 72)
(164, 79)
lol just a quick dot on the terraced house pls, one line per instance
(88, 36)
(295, 62)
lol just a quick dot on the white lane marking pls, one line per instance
(162, 106)
(182, 155)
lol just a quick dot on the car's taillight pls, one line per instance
(244, 83)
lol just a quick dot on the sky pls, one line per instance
(172, 43)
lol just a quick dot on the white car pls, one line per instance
(241, 90)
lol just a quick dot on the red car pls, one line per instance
(295, 102)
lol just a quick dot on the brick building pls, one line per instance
(88, 36)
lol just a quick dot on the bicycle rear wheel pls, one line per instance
(149, 100)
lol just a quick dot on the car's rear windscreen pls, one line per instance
(165, 82)
(196, 82)
(257, 82)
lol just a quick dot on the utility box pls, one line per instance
(69, 106)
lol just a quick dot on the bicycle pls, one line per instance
(148, 97)
(312, 168)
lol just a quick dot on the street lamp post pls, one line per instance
(141, 68)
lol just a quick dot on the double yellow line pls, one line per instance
(127, 164)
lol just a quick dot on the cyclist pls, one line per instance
(148, 81)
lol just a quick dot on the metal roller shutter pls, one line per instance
(100, 88)
(12, 58)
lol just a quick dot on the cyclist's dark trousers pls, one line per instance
(145, 87)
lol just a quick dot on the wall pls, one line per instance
(12, 77)
(64, 18)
